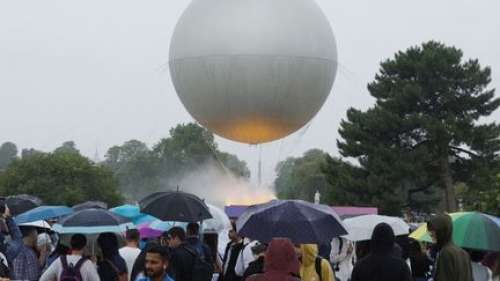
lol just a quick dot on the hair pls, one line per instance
(233, 225)
(177, 232)
(162, 251)
(476, 256)
(139, 263)
(108, 244)
(27, 230)
(193, 229)
(78, 242)
(132, 235)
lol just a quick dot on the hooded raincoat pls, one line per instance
(452, 263)
(381, 264)
(281, 262)
(308, 265)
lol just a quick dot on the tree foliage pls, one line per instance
(141, 170)
(423, 135)
(301, 177)
(60, 178)
(8, 153)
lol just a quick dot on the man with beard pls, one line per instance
(156, 265)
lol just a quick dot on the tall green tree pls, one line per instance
(301, 177)
(141, 170)
(423, 132)
(60, 178)
(135, 167)
(191, 145)
(67, 147)
(8, 153)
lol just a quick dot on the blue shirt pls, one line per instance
(143, 278)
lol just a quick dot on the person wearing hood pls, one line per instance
(281, 262)
(310, 268)
(381, 264)
(452, 263)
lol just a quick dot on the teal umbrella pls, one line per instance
(133, 213)
(472, 230)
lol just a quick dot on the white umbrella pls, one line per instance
(361, 228)
(39, 224)
(218, 222)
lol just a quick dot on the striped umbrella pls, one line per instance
(471, 230)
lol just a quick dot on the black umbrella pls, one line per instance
(90, 205)
(21, 203)
(300, 221)
(93, 221)
(175, 206)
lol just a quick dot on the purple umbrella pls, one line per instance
(147, 232)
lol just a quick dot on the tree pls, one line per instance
(141, 171)
(67, 147)
(236, 166)
(135, 167)
(190, 146)
(60, 178)
(8, 153)
(423, 132)
(301, 177)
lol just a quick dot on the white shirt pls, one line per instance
(341, 257)
(88, 269)
(245, 257)
(129, 254)
(480, 272)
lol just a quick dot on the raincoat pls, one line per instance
(281, 262)
(452, 263)
(308, 265)
(381, 264)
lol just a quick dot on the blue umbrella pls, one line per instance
(43, 213)
(300, 221)
(93, 221)
(165, 225)
(133, 213)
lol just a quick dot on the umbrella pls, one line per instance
(43, 213)
(133, 213)
(471, 230)
(361, 228)
(38, 224)
(300, 221)
(93, 221)
(147, 232)
(175, 206)
(218, 222)
(90, 205)
(19, 204)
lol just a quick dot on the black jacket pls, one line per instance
(255, 267)
(181, 263)
(381, 264)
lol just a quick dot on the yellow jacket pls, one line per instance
(308, 265)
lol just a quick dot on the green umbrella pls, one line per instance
(471, 230)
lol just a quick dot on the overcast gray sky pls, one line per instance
(96, 71)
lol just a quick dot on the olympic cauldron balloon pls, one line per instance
(253, 71)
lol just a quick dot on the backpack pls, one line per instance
(71, 272)
(4, 270)
(201, 270)
(317, 266)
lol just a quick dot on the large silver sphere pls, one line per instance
(253, 70)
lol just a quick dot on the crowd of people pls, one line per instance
(186, 254)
